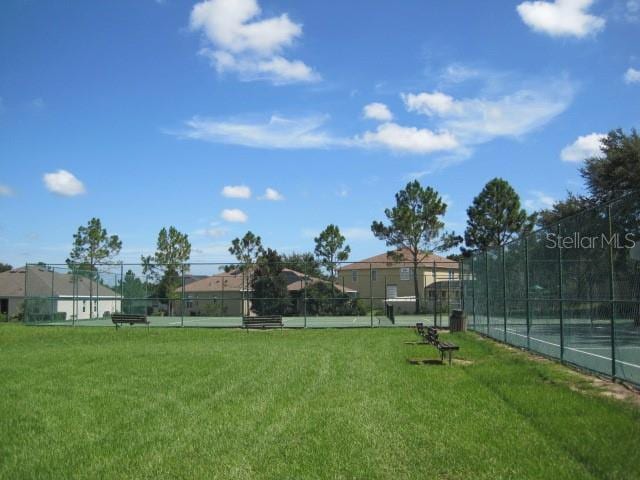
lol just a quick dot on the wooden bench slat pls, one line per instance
(430, 336)
(262, 322)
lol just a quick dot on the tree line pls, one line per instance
(413, 224)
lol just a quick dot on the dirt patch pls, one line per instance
(608, 388)
(435, 361)
(424, 361)
(462, 362)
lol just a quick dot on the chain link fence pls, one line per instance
(359, 294)
(570, 291)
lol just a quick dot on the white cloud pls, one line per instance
(5, 191)
(63, 183)
(278, 132)
(478, 120)
(234, 215)
(271, 194)
(278, 70)
(632, 76)
(538, 201)
(240, 42)
(377, 111)
(569, 18)
(584, 147)
(236, 191)
(435, 103)
(408, 139)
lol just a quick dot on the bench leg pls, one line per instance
(449, 357)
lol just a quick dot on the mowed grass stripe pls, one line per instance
(96, 403)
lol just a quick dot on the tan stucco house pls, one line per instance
(227, 293)
(384, 278)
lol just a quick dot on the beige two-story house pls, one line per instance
(383, 278)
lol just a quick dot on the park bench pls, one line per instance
(262, 322)
(430, 337)
(119, 318)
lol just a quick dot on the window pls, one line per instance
(354, 275)
(451, 274)
(374, 275)
(405, 273)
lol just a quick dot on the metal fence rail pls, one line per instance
(570, 291)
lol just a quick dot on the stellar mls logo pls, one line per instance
(577, 240)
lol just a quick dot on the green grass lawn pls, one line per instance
(197, 403)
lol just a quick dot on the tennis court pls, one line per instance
(580, 305)
(231, 322)
(588, 345)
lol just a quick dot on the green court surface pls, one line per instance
(289, 322)
(583, 343)
(186, 403)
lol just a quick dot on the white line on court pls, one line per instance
(512, 332)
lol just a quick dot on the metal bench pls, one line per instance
(262, 322)
(430, 336)
(119, 318)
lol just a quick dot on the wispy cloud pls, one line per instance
(561, 18)
(584, 147)
(63, 183)
(478, 120)
(277, 132)
(238, 41)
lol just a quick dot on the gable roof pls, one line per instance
(232, 281)
(384, 261)
(41, 281)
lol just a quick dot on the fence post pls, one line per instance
(473, 291)
(122, 287)
(486, 282)
(242, 295)
(25, 308)
(97, 294)
(304, 306)
(222, 297)
(182, 299)
(461, 277)
(52, 293)
(504, 293)
(370, 293)
(560, 291)
(612, 295)
(526, 286)
(435, 295)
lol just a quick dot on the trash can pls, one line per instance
(457, 321)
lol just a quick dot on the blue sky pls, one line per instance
(310, 113)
